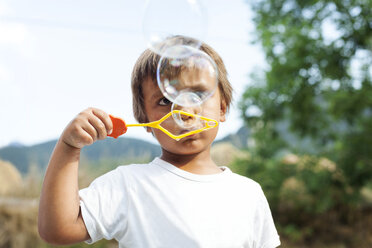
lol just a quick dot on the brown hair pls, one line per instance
(146, 67)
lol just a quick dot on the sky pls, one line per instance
(58, 58)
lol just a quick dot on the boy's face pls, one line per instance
(156, 106)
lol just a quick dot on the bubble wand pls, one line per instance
(120, 127)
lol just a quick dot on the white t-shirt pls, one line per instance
(159, 205)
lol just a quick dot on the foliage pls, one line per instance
(296, 184)
(315, 96)
(307, 196)
(313, 99)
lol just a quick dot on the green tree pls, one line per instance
(315, 94)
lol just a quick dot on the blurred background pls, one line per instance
(301, 124)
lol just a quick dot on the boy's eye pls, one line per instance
(164, 102)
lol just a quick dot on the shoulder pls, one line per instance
(128, 169)
(247, 187)
(264, 231)
(135, 170)
(131, 168)
(113, 185)
(120, 174)
(245, 182)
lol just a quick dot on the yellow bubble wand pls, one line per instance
(120, 127)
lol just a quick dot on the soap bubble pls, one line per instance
(166, 18)
(185, 69)
(191, 103)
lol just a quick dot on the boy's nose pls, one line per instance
(188, 117)
(187, 120)
(191, 110)
(194, 110)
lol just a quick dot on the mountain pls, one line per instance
(238, 139)
(108, 152)
(121, 150)
(16, 144)
(24, 156)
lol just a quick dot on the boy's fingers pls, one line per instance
(99, 126)
(105, 118)
(88, 128)
(85, 139)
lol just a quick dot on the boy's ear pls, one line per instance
(223, 109)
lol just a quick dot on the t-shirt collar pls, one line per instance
(191, 176)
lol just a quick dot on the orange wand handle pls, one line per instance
(119, 127)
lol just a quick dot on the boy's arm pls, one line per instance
(60, 220)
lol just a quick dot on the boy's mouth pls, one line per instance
(185, 131)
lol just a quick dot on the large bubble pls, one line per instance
(167, 18)
(185, 69)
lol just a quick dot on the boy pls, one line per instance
(182, 199)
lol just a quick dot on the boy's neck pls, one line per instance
(199, 163)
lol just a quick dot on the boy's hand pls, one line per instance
(90, 125)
